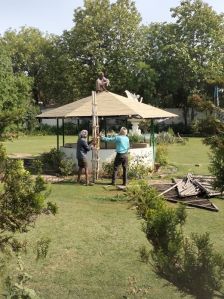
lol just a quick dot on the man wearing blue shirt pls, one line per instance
(122, 147)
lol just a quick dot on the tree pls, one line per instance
(104, 37)
(186, 54)
(14, 94)
(29, 50)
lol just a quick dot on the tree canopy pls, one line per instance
(169, 64)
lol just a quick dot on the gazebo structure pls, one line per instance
(109, 106)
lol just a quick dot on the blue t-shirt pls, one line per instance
(121, 141)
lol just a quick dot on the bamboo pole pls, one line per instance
(95, 136)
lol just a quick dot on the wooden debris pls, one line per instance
(187, 187)
(205, 183)
(191, 190)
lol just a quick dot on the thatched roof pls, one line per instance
(108, 104)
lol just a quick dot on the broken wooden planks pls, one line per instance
(171, 193)
(205, 183)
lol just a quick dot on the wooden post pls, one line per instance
(57, 134)
(152, 140)
(95, 136)
(63, 130)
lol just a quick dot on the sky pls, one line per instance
(55, 16)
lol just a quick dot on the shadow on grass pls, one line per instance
(185, 290)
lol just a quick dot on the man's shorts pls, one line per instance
(82, 163)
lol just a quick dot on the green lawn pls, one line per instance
(94, 249)
(189, 158)
(34, 144)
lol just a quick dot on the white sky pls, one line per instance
(54, 16)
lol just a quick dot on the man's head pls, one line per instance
(101, 75)
(83, 134)
(123, 131)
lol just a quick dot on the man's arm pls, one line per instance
(109, 139)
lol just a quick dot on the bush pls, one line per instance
(208, 126)
(67, 167)
(52, 160)
(216, 167)
(190, 263)
(137, 169)
(161, 154)
(37, 166)
(135, 138)
(202, 268)
(2, 157)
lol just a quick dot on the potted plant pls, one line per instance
(137, 141)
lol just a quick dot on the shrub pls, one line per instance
(144, 254)
(161, 154)
(52, 160)
(42, 248)
(202, 268)
(208, 126)
(107, 169)
(2, 157)
(37, 166)
(136, 138)
(67, 167)
(216, 167)
(190, 263)
(136, 169)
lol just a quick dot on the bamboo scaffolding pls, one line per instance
(96, 139)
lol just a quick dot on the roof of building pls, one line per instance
(108, 105)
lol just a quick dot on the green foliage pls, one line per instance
(52, 160)
(185, 54)
(107, 169)
(21, 201)
(202, 269)
(37, 166)
(16, 288)
(14, 94)
(137, 168)
(192, 264)
(22, 198)
(208, 126)
(2, 157)
(42, 248)
(69, 129)
(216, 144)
(67, 167)
(144, 197)
(162, 154)
(55, 161)
(144, 254)
(134, 138)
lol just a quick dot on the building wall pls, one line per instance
(138, 155)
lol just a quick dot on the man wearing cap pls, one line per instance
(83, 147)
(122, 147)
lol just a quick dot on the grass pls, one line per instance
(95, 241)
(34, 145)
(94, 249)
(189, 158)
